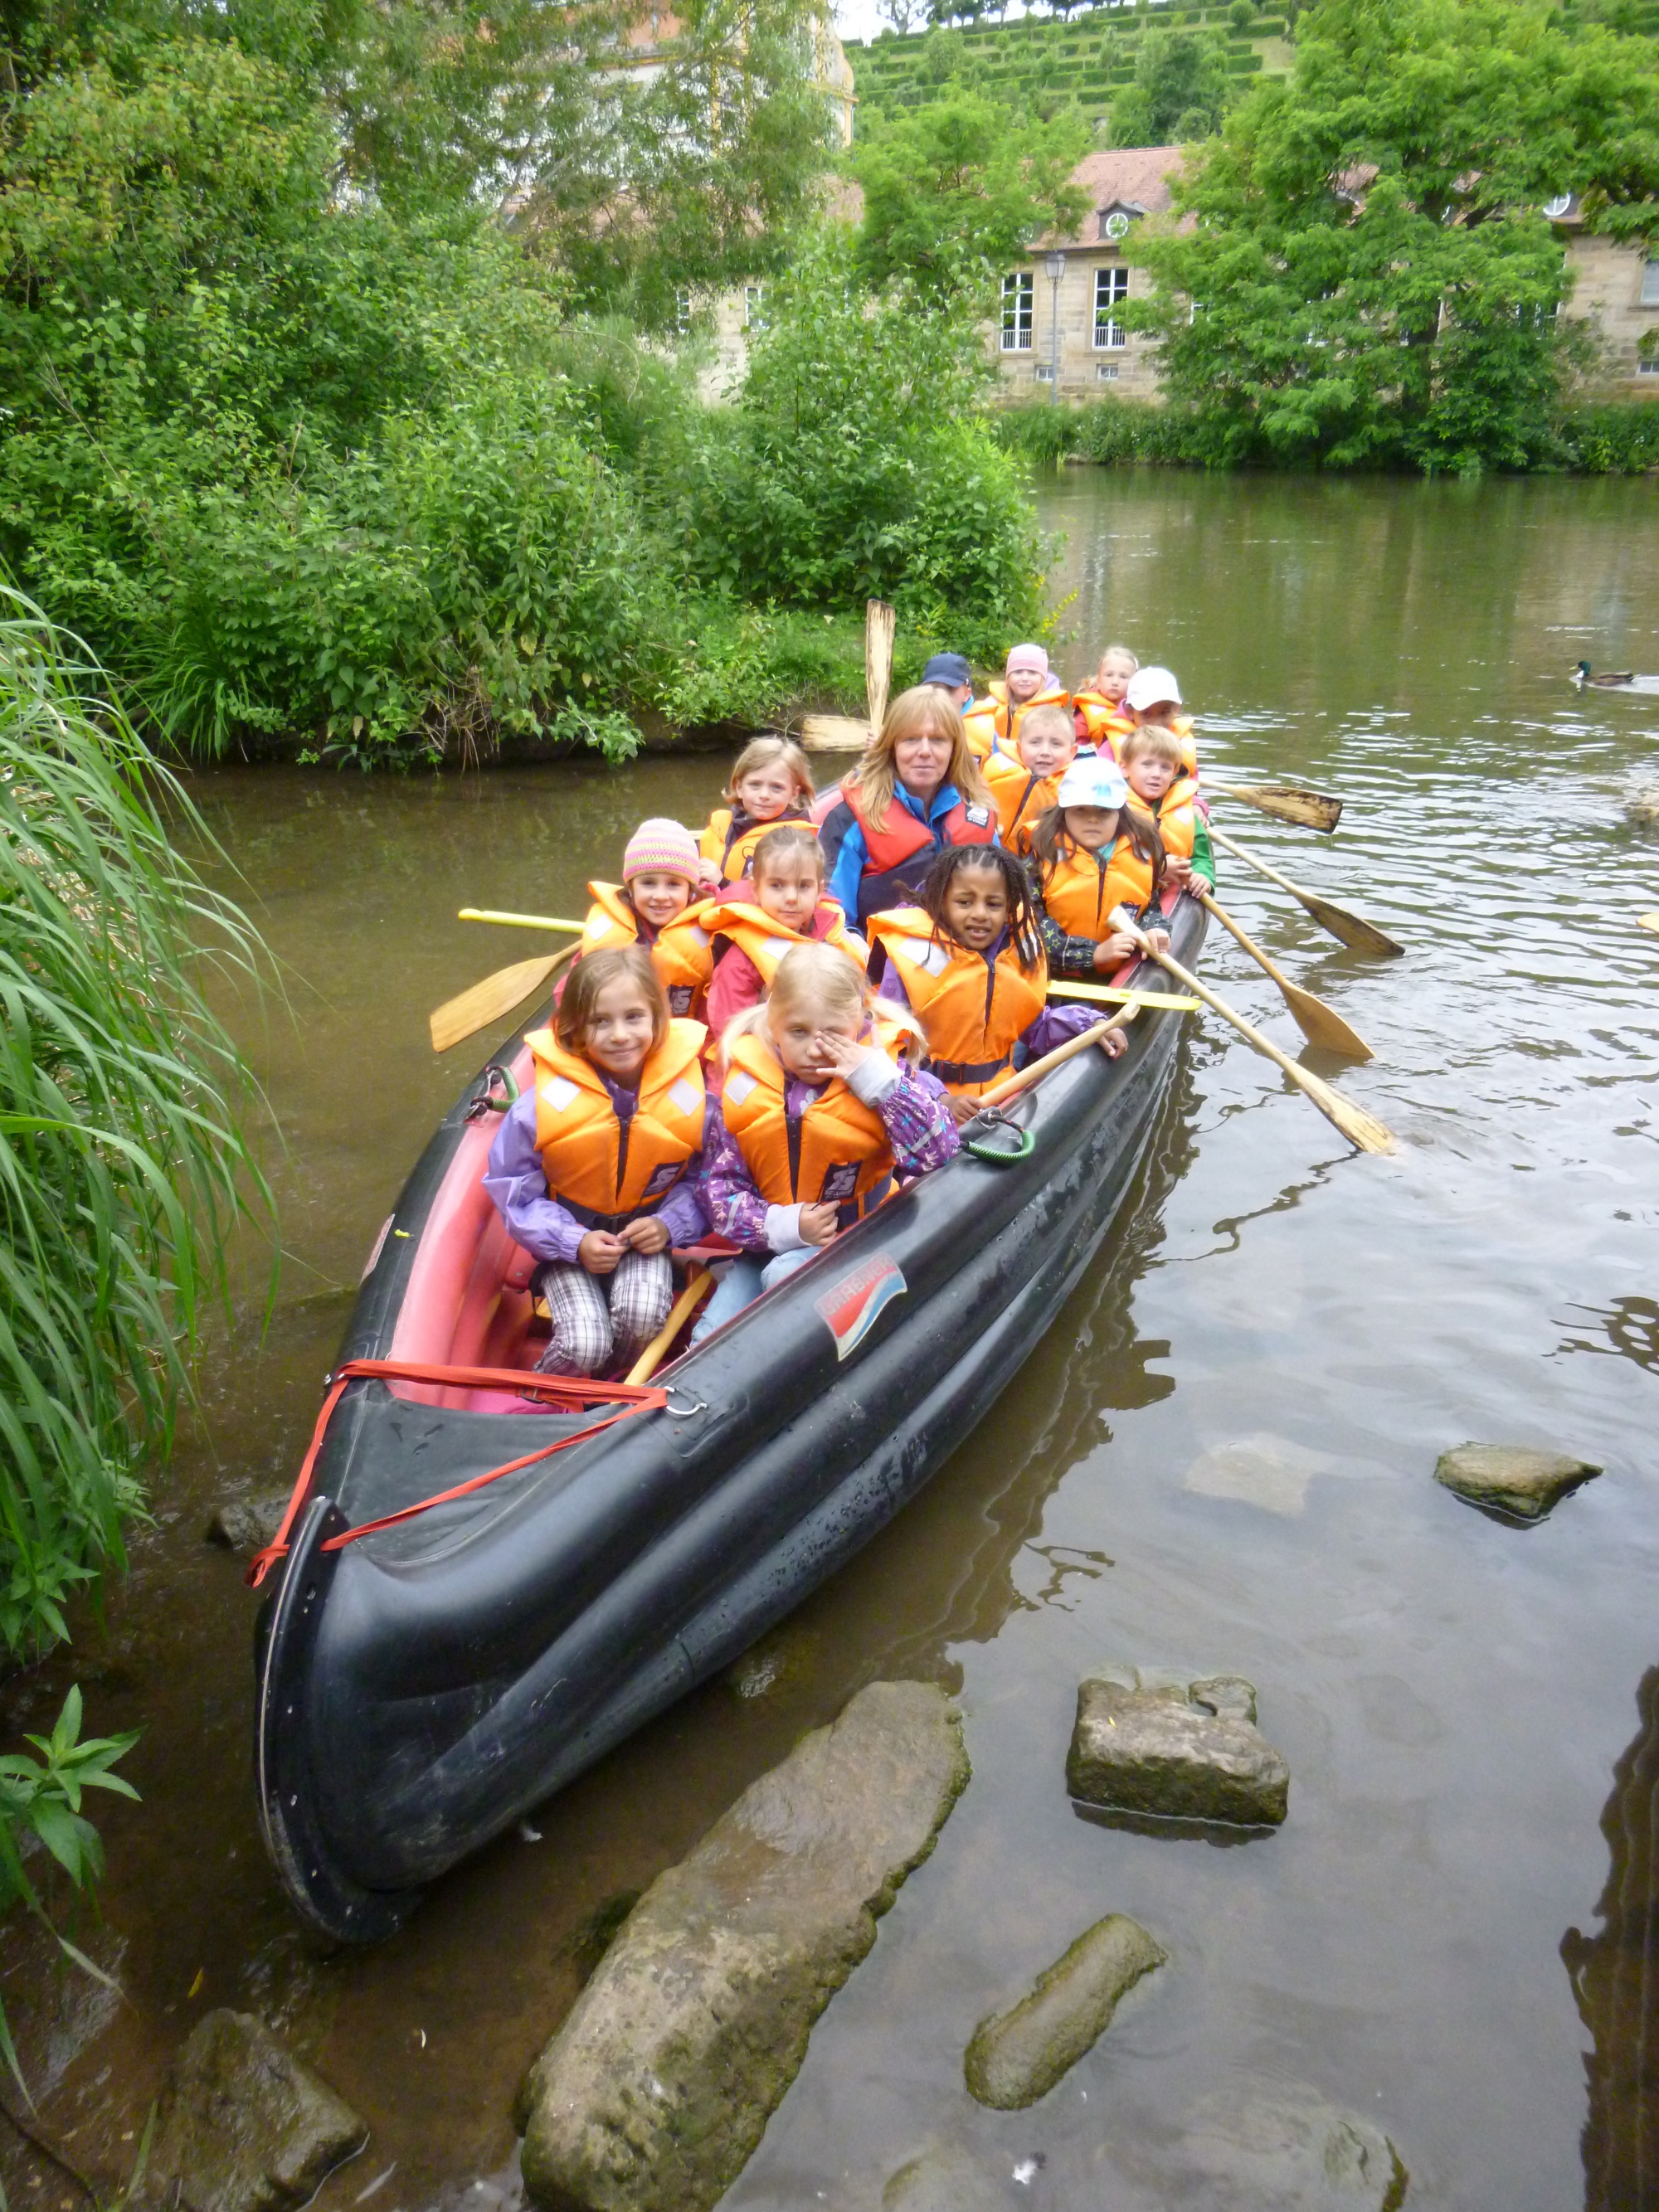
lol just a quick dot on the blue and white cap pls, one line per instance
(1092, 781)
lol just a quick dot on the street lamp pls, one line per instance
(1055, 266)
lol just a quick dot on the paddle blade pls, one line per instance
(1359, 1126)
(1649, 921)
(879, 621)
(490, 1001)
(1287, 802)
(1358, 935)
(834, 733)
(1322, 1026)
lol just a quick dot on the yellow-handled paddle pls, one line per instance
(1321, 1024)
(1649, 921)
(1108, 994)
(1359, 1126)
(683, 1306)
(494, 998)
(519, 920)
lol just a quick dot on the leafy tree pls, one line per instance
(1181, 81)
(904, 15)
(1372, 281)
(962, 187)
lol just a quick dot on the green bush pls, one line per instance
(1618, 438)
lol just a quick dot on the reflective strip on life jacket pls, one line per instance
(765, 941)
(836, 1152)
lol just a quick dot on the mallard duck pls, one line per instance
(1607, 678)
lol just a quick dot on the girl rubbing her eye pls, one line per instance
(969, 963)
(595, 1170)
(818, 1107)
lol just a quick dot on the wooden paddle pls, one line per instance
(1285, 802)
(1012, 1085)
(1320, 1023)
(519, 920)
(1108, 994)
(1358, 935)
(494, 998)
(1649, 922)
(845, 733)
(1359, 1126)
(679, 1314)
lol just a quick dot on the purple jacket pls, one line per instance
(516, 1180)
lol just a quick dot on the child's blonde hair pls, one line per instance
(1133, 659)
(1044, 719)
(828, 981)
(777, 844)
(612, 964)
(914, 713)
(771, 752)
(1156, 739)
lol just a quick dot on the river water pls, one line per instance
(1220, 1460)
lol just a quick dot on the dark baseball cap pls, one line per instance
(947, 668)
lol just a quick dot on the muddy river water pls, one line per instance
(1219, 1460)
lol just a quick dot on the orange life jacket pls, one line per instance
(974, 1010)
(1182, 727)
(987, 722)
(1175, 815)
(730, 850)
(1020, 797)
(605, 1170)
(752, 930)
(681, 954)
(1081, 889)
(900, 853)
(836, 1152)
(1100, 722)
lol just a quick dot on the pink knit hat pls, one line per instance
(662, 847)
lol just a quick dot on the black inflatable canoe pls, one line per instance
(423, 1686)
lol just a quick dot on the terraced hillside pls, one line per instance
(1041, 57)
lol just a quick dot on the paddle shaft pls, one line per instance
(518, 920)
(879, 621)
(1316, 1020)
(1012, 1085)
(689, 1299)
(1349, 929)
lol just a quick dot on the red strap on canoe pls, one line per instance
(568, 1394)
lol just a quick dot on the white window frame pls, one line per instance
(754, 307)
(1111, 286)
(1649, 297)
(1106, 372)
(1647, 364)
(1018, 311)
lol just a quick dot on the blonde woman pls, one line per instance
(917, 789)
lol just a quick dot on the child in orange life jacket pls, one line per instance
(595, 1169)
(1102, 716)
(969, 962)
(754, 924)
(1154, 695)
(1152, 766)
(815, 1114)
(1023, 785)
(1090, 854)
(1027, 682)
(655, 906)
(770, 782)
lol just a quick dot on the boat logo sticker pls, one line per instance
(851, 1307)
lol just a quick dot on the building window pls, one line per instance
(1017, 311)
(1651, 284)
(1106, 371)
(1045, 373)
(1111, 289)
(754, 307)
(681, 311)
(1647, 364)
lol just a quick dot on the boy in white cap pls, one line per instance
(1027, 681)
(1153, 696)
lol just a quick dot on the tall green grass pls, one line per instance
(123, 1161)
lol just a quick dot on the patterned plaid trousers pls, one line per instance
(597, 1319)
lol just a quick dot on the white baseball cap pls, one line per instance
(1148, 687)
(1092, 781)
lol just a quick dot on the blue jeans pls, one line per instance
(750, 1274)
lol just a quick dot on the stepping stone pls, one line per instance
(1510, 1479)
(1017, 2056)
(1177, 1751)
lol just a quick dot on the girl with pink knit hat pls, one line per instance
(656, 905)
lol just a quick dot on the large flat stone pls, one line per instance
(1511, 1478)
(242, 2126)
(1283, 2150)
(1174, 1753)
(654, 2093)
(1017, 2056)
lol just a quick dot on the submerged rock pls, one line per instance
(1017, 2056)
(242, 2126)
(943, 2178)
(244, 1524)
(1284, 2150)
(1266, 1471)
(1176, 1752)
(657, 2086)
(1511, 1478)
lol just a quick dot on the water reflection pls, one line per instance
(1630, 1326)
(1615, 1977)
